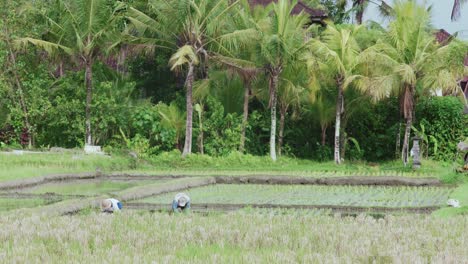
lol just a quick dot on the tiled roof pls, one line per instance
(442, 36)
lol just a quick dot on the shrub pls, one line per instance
(443, 118)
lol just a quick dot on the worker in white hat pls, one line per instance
(181, 203)
(110, 205)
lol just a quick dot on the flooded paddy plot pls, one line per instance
(314, 195)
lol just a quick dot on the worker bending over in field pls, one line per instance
(181, 203)
(110, 205)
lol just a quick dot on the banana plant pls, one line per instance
(426, 140)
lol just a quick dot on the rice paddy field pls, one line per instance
(290, 217)
(314, 195)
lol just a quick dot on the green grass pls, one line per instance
(461, 194)
(14, 167)
(84, 187)
(7, 204)
(365, 196)
(32, 165)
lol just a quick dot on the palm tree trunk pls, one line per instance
(200, 136)
(273, 99)
(22, 100)
(408, 112)
(245, 116)
(281, 130)
(405, 150)
(324, 135)
(89, 97)
(360, 11)
(398, 141)
(339, 109)
(188, 123)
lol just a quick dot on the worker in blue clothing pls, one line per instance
(181, 203)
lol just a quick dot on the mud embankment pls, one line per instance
(349, 180)
(332, 208)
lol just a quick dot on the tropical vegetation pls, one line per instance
(146, 75)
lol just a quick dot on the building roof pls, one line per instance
(443, 37)
(300, 7)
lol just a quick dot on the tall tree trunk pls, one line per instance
(405, 150)
(245, 116)
(200, 136)
(398, 142)
(339, 110)
(281, 129)
(273, 98)
(189, 106)
(324, 135)
(89, 97)
(408, 112)
(360, 12)
(22, 100)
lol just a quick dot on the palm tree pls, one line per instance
(280, 40)
(336, 54)
(83, 31)
(11, 66)
(410, 62)
(360, 6)
(195, 29)
(290, 91)
(172, 118)
(457, 4)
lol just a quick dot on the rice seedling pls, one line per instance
(364, 196)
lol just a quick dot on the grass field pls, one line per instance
(13, 167)
(240, 237)
(37, 232)
(7, 204)
(363, 196)
(85, 187)
(32, 165)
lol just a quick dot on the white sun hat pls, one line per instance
(106, 204)
(182, 199)
(453, 203)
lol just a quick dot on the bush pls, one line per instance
(443, 118)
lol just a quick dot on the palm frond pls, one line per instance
(184, 55)
(49, 47)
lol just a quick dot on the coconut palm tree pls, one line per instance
(336, 55)
(409, 62)
(172, 118)
(195, 29)
(280, 40)
(457, 4)
(290, 91)
(84, 31)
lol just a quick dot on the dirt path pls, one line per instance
(350, 180)
(249, 179)
(45, 196)
(333, 208)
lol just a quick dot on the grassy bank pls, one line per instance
(31, 165)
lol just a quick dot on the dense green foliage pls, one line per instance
(139, 104)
